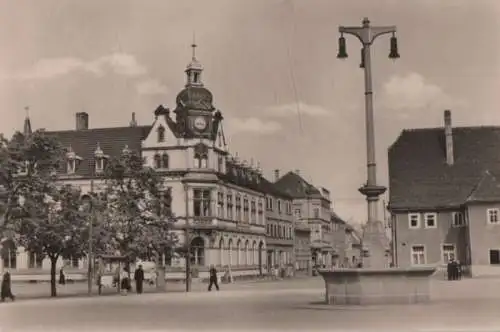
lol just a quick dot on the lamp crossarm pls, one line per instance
(367, 35)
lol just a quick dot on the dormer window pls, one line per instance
(161, 134)
(164, 159)
(100, 159)
(72, 161)
(126, 150)
(220, 164)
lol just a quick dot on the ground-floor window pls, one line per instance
(449, 253)
(35, 260)
(418, 255)
(494, 256)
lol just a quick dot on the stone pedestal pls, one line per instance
(377, 286)
(375, 245)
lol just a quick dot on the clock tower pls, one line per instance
(196, 117)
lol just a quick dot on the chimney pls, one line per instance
(276, 175)
(449, 137)
(82, 121)
(133, 122)
(297, 171)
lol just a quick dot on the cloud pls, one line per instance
(412, 92)
(296, 108)
(119, 63)
(253, 125)
(151, 87)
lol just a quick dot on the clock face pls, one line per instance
(200, 123)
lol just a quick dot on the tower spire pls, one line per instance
(194, 68)
(27, 123)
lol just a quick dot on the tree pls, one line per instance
(138, 209)
(27, 163)
(53, 225)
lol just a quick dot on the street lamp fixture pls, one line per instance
(367, 34)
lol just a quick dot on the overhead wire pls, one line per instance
(291, 8)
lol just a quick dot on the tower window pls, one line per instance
(202, 203)
(196, 77)
(161, 134)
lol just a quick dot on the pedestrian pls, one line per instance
(6, 291)
(62, 277)
(213, 278)
(125, 282)
(139, 279)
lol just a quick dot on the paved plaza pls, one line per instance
(469, 304)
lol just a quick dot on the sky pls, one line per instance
(286, 99)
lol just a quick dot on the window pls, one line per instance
(9, 254)
(279, 206)
(269, 203)
(238, 207)
(229, 200)
(246, 216)
(430, 220)
(414, 220)
(493, 216)
(457, 219)
(494, 256)
(298, 213)
(71, 166)
(35, 260)
(449, 252)
(161, 134)
(253, 211)
(165, 202)
(157, 159)
(202, 203)
(418, 255)
(164, 160)
(220, 164)
(316, 212)
(99, 165)
(220, 204)
(260, 207)
(288, 207)
(74, 262)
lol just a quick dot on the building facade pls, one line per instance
(311, 208)
(445, 197)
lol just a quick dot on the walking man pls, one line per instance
(139, 279)
(213, 278)
(6, 291)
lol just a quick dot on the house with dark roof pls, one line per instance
(312, 210)
(229, 212)
(445, 197)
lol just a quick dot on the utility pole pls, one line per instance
(188, 240)
(367, 34)
(91, 237)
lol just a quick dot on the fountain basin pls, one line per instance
(366, 286)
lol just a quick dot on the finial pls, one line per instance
(193, 45)
(27, 110)
(98, 151)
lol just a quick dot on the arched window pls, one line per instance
(9, 254)
(254, 253)
(238, 253)
(161, 134)
(157, 160)
(247, 253)
(222, 251)
(230, 252)
(198, 251)
(164, 160)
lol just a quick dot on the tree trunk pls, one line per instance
(53, 289)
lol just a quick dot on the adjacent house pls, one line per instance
(445, 197)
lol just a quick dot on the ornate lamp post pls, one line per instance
(374, 229)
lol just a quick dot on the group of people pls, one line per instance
(124, 280)
(454, 269)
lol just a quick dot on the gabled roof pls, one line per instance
(487, 190)
(295, 186)
(112, 141)
(419, 176)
